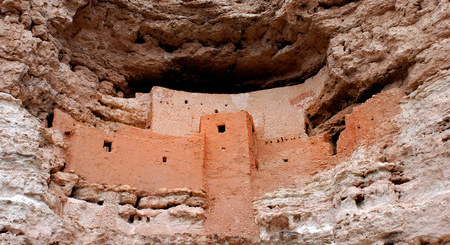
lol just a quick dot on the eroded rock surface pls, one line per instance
(391, 192)
(97, 60)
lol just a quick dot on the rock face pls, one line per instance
(381, 111)
(392, 191)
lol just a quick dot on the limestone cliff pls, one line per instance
(380, 108)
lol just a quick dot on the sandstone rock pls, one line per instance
(127, 198)
(162, 202)
(97, 60)
(372, 53)
(25, 215)
(66, 181)
(187, 213)
(352, 38)
(126, 211)
(20, 134)
(53, 158)
(88, 193)
(54, 137)
(196, 202)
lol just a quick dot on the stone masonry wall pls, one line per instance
(276, 112)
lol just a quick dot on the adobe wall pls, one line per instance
(138, 157)
(363, 124)
(286, 162)
(276, 112)
(282, 163)
(230, 161)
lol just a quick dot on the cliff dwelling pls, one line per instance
(210, 154)
(225, 122)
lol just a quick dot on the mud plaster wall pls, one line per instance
(230, 161)
(281, 164)
(284, 163)
(137, 157)
(361, 124)
(276, 112)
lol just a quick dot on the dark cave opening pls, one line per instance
(184, 82)
(49, 119)
(339, 3)
(350, 95)
(213, 82)
(139, 39)
(334, 139)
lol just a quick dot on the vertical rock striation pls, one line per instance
(97, 60)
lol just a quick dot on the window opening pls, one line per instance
(221, 128)
(107, 146)
(164, 159)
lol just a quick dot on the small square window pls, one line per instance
(107, 146)
(164, 159)
(221, 128)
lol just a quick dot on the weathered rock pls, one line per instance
(162, 202)
(393, 191)
(80, 62)
(91, 59)
(368, 52)
(66, 181)
(187, 213)
(127, 198)
(196, 202)
(25, 201)
(88, 193)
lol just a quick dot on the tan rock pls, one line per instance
(196, 202)
(66, 181)
(88, 193)
(97, 61)
(162, 202)
(187, 213)
(127, 198)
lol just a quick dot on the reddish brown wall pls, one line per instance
(306, 157)
(230, 160)
(362, 126)
(135, 158)
(290, 160)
